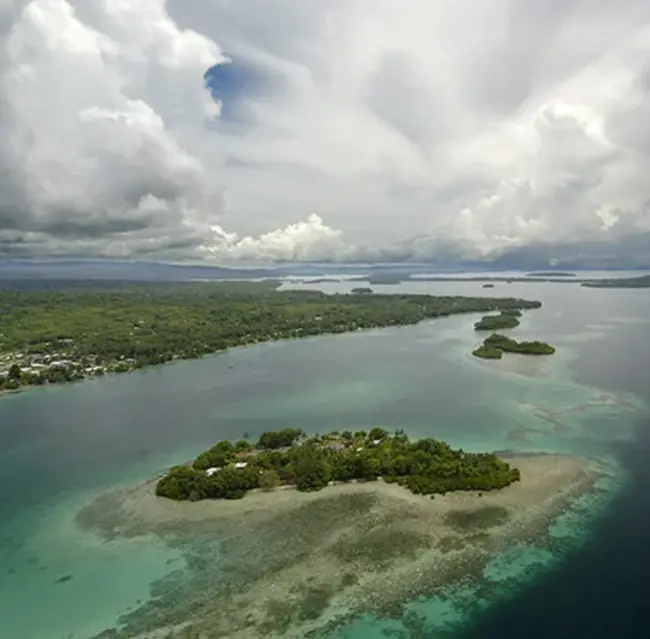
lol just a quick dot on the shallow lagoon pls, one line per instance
(61, 446)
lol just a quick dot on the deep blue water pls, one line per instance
(601, 589)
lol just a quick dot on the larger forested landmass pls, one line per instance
(64, 331)
(642, 281)
(288, 458)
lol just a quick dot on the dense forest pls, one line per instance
(288, 458)
(494, 346)
(60, 332)
(506, 319)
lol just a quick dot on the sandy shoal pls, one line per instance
(286, 563)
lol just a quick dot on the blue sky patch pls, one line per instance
(233, 84)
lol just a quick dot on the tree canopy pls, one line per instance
(494, 345)
(279, 439)
(62, 332)
(425, 466)
(506, 319)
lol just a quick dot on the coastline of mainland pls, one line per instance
(123, 328)
(292, 564)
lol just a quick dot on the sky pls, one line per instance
(311, 130)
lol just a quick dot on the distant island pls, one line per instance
(643, 281)
(488, 285)
(288, 458)
(360, 290)
(553, 277)
(506, 319)
(494, 346)
(399, 278)
(386, 278)
(57, 332)
(551, 274)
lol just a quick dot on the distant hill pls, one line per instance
(128, 271)
(136, 270)
(161, 271)
(149, 271)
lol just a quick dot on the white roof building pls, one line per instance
(211, 471)
(241, 464)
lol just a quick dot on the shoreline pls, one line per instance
(92, 377)
(175, 359)
(289, 562)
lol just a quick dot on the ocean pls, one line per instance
(60, 447)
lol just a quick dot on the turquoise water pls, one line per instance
(60, 447)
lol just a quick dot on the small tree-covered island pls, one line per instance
(288, 458)
(494, 346)
(507, 318)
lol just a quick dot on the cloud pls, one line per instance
(304, 241)
(90, 147)
(208, 130)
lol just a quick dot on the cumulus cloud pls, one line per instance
(304, 241)
(414, 130)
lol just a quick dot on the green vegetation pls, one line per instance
(53, 332)
(425, 467)
(279, 438)
(497, 322)
(510, 345)
(495, 345)
(487, 352)
(642, 281)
